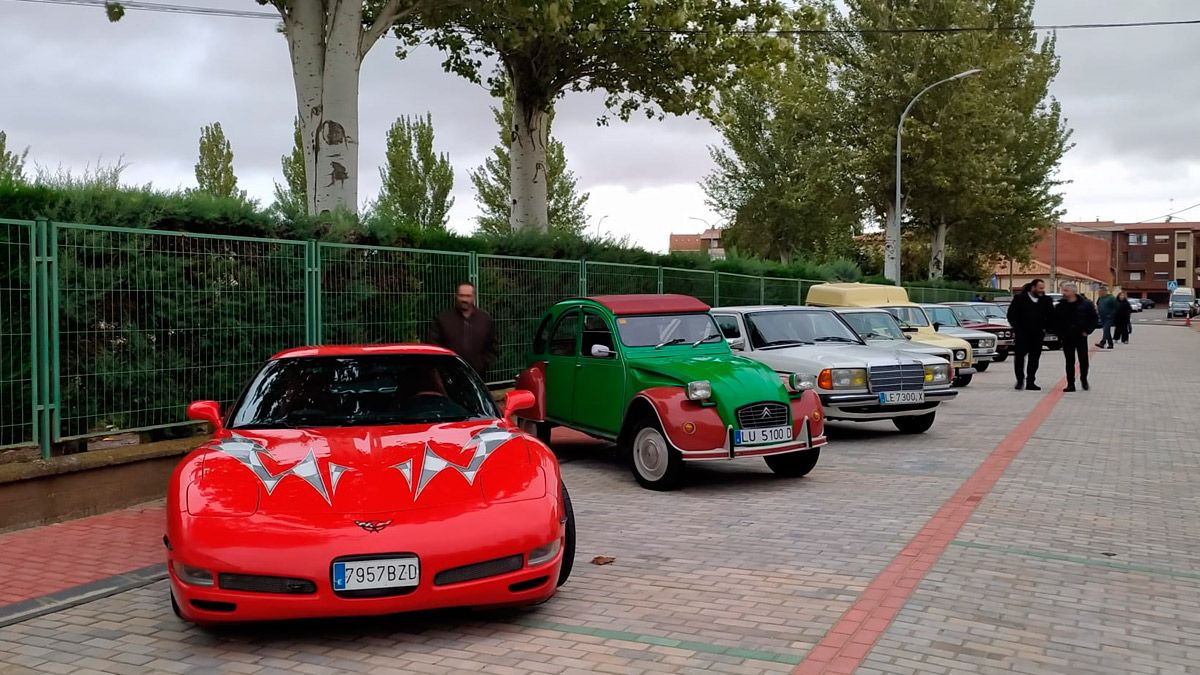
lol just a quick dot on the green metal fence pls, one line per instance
(17, 385)
(112, 329)
(376, 294)
(148, 320)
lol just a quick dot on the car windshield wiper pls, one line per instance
(784, 343)
(704, 339)
(836, 338)
(672, 341)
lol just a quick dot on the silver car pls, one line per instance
(855, 381)
(879, 329)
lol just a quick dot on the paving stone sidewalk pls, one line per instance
(742, 572)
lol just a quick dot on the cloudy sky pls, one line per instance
(78, 90)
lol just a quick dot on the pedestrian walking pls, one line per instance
(1123, 322)
(1075, 318)
(1030, 313)
(1106, 305)
(467, 330)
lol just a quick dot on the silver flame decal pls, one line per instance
(249, 453)
(484, 444)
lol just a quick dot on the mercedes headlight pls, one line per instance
(937, 374)
(843, 378)
(960, 355)
(700, 390)
(989, 344)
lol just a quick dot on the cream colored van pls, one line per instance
(911, 316)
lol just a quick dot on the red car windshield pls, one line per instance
(377, 389)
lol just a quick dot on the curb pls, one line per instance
(82, 594)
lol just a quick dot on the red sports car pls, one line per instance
(360, 481)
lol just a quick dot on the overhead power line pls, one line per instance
(251, 14)
(1168, 215)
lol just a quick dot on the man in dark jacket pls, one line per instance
(1075, 318)
(467, 331)
(1030, 313)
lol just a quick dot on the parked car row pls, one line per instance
(356, 480)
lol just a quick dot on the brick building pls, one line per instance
(707, 242)
(1146, 256)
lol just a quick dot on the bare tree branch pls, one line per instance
(388, 16)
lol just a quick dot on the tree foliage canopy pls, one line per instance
(12, 164)
(666, 56)
(416, 181)
(980, 154)
(214, 170)
(785, 180)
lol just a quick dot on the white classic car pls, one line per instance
(856, 382)
(883, 331)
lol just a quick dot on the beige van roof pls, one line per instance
(856, 295)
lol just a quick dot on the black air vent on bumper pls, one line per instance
(481, 570)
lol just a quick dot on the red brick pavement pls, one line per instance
(43, 560)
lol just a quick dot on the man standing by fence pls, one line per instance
(1029, 314)
(467, 331)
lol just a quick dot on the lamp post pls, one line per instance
(598, 225)
(891, 265)
(701, 220)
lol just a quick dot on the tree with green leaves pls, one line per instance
(979, 154)
(785, 180)
(214, 170)
(416, 180)
(327, 41)
(565, 204)
(667, 56)
(12, 164)
(291, 198)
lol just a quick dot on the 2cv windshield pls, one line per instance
(667, 329)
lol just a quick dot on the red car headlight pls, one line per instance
(225, 488)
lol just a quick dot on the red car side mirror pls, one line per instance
(206, 411)
(518, 399)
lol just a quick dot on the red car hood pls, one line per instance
(984, 326)
(360, 470)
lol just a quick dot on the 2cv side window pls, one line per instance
(728, 325)
(562, 340)
(596, 333)
(542, 335)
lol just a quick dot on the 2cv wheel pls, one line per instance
(656, 465)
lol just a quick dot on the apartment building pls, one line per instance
(1147, 256)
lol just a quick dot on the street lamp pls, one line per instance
(891, 265)
(598, 225)
(701, 220)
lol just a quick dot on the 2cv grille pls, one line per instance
(762, 415)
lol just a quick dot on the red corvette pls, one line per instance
(361, 481)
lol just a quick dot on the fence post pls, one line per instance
(799, 291)
(762, 290)
(660, 279)
(583, 285)
(43, 330)
(473, 271)
(312, 292)
(716, 289)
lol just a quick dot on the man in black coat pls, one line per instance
(467, 331)
(1029, 314)
(1075, 318)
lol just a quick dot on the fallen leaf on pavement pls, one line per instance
(603, 560)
